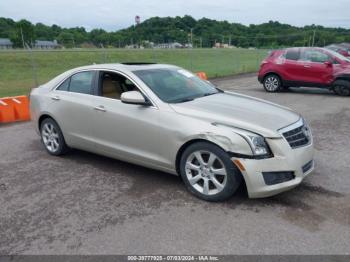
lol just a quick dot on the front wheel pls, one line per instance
(208, 172)
(272, 83)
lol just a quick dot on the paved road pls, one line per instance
(87, 204)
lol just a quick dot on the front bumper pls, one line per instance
(285, 159)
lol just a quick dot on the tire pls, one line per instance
(341, 87)
(52, 137)
(208, 172)
(272, 83)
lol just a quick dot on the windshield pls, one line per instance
(174, 85)
(339, 56)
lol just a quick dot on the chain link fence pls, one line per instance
(21, 70)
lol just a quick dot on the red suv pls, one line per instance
(306, 66)
(342, 49)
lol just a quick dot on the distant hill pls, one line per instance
(205, 33)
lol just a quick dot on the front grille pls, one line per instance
(307, 166)
(298, 137)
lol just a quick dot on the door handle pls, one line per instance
(100, 108)
(56, 98)
(307, 66)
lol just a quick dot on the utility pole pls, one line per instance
(192, 37)
(24, 46)
(313, 38)
(201, 43)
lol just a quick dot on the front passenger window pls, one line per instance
(314, 56)
(112, 85)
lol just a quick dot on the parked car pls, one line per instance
(164, 117)
(312, 67)
(342, 49)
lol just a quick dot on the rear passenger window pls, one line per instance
(81, 82)
(293, 54)
(64, 86)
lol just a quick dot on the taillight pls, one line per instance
(263, 63)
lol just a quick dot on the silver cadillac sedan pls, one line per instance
(166, 118)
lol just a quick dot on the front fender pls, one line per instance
(226, 139)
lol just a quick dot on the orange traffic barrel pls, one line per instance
(20, 105)
(7, 112)
(202, 75)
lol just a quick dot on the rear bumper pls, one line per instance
(286, 159)
(260, 79)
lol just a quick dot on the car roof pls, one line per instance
(125, 66)
(306, 47)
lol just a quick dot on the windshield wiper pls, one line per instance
(187, 99)
(209, 94)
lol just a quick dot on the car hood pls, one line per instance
(240, 111)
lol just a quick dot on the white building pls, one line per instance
(169, 45)
(39, 44)
(5, 43)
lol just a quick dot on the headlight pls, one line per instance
(256, 142)
(258, 145)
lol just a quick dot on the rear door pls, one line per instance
(72, 108)
(292, 69)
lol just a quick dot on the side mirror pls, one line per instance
(328, 63)
(134, 97)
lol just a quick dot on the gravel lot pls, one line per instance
(87, 204)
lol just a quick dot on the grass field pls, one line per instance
(19, 69)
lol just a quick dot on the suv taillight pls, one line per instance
(263, 63)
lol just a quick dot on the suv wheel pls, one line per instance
(52, 137)
(272, 83)
(342, 87)
(208, 172)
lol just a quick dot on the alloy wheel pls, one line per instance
(205, 172)
(50, 137)
(271, 84)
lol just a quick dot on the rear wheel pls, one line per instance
(52, 137)
(342, 87)
(272, 83)
(208, 172)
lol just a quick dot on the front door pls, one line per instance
(125, 131)
(316, 71)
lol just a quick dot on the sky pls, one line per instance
(112, 15)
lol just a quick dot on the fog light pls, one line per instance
(273, 178)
